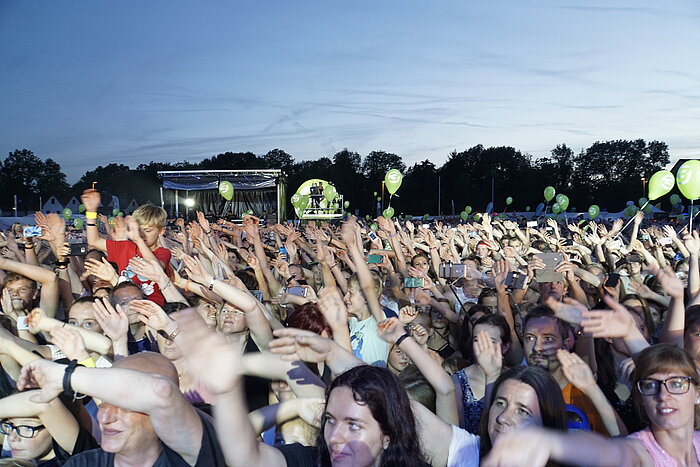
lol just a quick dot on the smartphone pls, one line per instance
(532, 224)
(375, 259)
(515, 280)
(413, 282)
(452, 270)
(285, 255)
(551, 261)
(78, 249)
(22, 323)
(31, 231)
(372, 236)
(297, 291)
(665, 241)
(613, 279)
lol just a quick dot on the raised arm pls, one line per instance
(48, 298)
(91, 200)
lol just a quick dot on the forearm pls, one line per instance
(94, 238)
(674, 324)
(257, 322)
(605, 410)
(301, 380)
(693, 275)
(266, 417)
(367, 284)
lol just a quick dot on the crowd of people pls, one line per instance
(384, 343)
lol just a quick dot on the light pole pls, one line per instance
(644, 186)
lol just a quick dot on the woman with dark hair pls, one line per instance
(470, 382)
(665, 388)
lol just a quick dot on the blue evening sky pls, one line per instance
(94, 82)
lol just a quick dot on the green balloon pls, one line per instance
(688, 179)
(81, 208)
(593, 211)
(556, 208)
(329, 192)
(226, 190)
(509, 200)
(388, 212)
(675, 199)
(549, 193)
(78, 223)
(120, 214)
(468, 209)
(67, 213)
(642, 201)
(527, 208)
(660, 183)
(425, 217)
(112, 220)
(392, 180)
(296, 199)
(464, 215)
(346, 204)
(564, 203)
(477, 217)
(379, 198)
(374, 194)
(115, 211)
(367, 217)
(374, 226)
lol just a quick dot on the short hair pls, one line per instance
(14, 277)
(354, 281)
(123, 285)
(417, 387)
(148, 214)
(491, 319)
(543, 311)
(309, 317)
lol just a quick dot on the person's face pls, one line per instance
(354, 300)
(634, 268)
(353, 436)
(123, 297)
(125, 431)
(150, 234)
(296, 272)
(691, 341)
(83, 315)
(421, 263)
(318, 275)
(482, 251)
(493, 332)
(668, 411)
(552, 289)
(167, 348)
(398, 360)
(542, 340)
(491, 302)
(207, 311)
(28, 448)
(514, 405)
(22, 294)
(438, 320)
(231, 320)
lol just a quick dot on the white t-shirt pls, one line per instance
(464, 449)
(366, 344)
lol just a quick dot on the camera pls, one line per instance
(515, 280)
(452, 270)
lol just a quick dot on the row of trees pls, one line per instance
(607, 173)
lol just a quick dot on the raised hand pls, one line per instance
(568, 310)
(70, 342)
(203, 222)
(196, 271)
(150, 314)
(390, 330)
(488, 354)
(615, 322)
(420, 334)
(38, 321)
(670, 282)
(297, 344)
(147, 267)
(576, 370)
(91, 200)
(407, 314)
(43, 374)
(101, 269)
(113, 321)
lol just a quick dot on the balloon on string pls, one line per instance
(527, 208)
(374, 194)
(509, 200)
(78, 223)
(388, 212)
(374, 226)
(115, 211)
(120, 214)
(556, 208)
(660, 183)
(379, 198)
(593, 211)
(688, 179)
(392, 180)
(675, 199)
(425, 217)
(67, 213)
(468, 209)
(642, 201)
(539, 209)
(329, 192)
(563, 201)
(81, 208)
(296, 199)
(477, 217)
(464, 215)
(226, 190)
(549, 193)
(346, 204)
(629, 203)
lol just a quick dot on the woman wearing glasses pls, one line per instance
(28, 439)
(665, 390)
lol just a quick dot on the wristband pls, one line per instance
(62, 263)
(67, 389)
(401, 339)
(91, 224)
(90, 215)
(211, 284)
(393, 235)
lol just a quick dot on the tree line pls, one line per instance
(608, 173)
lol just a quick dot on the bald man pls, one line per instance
(144, 418)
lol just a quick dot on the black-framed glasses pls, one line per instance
(24, 431)
(674, 385)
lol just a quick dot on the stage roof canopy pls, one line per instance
(209, 179)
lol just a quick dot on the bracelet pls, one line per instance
(211, 284)
(90, 215)
(67, 389)
(171, 337)
(393, 235)
(334, 265)
(401, 339)
(167, 285)
(65, 262)
(91, 224)
(88, 362)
